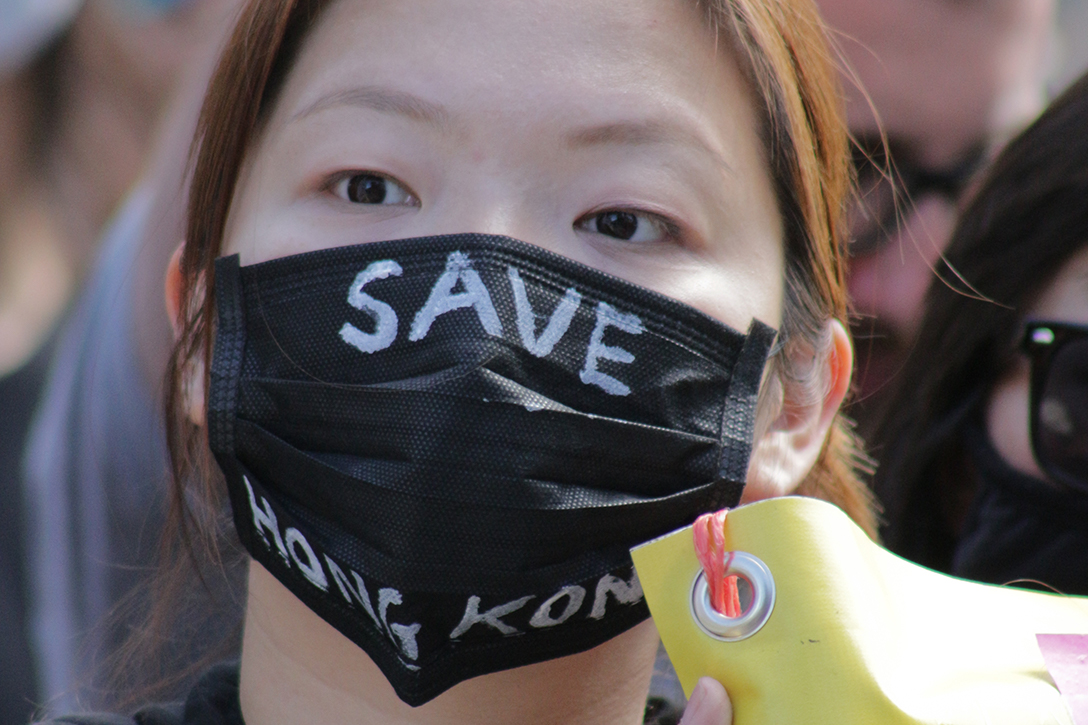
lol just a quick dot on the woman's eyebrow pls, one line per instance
(382, 100)
(642, 133)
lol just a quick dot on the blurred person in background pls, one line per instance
(34, 285)
(82, 86)
(985, 466)
(948, 82)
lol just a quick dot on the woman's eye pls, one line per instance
(372, 189)
(629, 226)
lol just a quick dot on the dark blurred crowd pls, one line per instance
(968, 279)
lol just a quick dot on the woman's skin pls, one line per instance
(1065, 300)
(525, 119)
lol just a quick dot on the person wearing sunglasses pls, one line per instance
(945, 84)
(1059, 394)
(984, 450)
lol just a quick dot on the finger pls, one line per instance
(709, 705)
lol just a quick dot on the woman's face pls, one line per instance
(1065, 300)
(613, 132)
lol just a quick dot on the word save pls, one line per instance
(474, 295)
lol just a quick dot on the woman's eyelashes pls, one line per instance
(365, 187)
(629, 225)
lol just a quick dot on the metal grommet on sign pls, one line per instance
(732, 629)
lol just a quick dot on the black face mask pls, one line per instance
(446, 446)
(1021, 527)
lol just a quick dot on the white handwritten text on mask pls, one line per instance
(295, 550)
(475, 295)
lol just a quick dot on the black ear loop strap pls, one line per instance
(227, 361)
(739, 425)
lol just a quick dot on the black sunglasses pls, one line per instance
(1059, 400)
(886, 190)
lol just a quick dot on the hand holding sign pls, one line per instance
(709, 705)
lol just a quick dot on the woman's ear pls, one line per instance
(192, 371)
(173, 289)
(789, 449)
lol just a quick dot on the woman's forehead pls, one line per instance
(544, 61)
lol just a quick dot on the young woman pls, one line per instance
(983, 457)
(461, 315)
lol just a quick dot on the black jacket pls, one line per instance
(214, 701)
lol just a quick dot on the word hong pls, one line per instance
(475, 295)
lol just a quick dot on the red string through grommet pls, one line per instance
(709, 533)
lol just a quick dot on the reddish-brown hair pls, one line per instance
(783, 45)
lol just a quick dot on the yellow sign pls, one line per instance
(855, 633)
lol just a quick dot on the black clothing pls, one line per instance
(1020, 528)
(19, 392)
(214, 701)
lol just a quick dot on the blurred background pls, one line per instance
(1071, 48)
(98, 101)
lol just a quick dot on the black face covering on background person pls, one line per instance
(1020, 526)
(446, 446)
